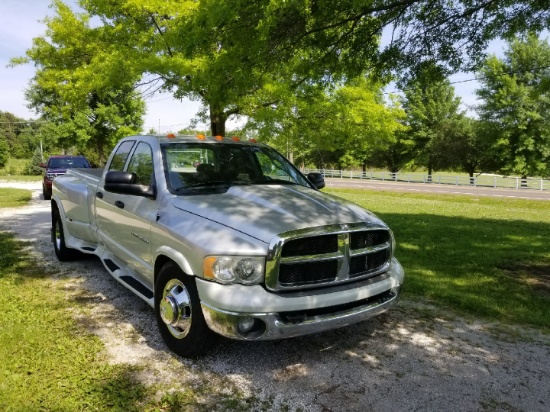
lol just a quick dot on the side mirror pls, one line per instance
(124, 183)
(42, 165)
(317, 179)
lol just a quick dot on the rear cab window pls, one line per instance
(121, 155)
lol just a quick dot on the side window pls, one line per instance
(272, 168)
(276, 167)
(141, 164)
(119, 158)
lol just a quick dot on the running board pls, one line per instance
(126, 278)
(81, 245)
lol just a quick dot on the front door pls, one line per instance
(124, 221)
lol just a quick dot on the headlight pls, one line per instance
(234, 269)
(50, 177)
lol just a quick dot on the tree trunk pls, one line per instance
(217, 121)
(100, 152)
(524, 181)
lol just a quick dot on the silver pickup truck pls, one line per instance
(226, 236)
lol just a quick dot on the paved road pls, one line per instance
(393, 187)
(438, 188)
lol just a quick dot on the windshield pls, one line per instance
(67, 163)
(196, 165)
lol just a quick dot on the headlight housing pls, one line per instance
(247, 270)
(50, 176)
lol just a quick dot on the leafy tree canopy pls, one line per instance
(221, 51)
(20, 137)
(432, 108)
(346, 33)
(515, 92)
(90, 108)
(351, 119)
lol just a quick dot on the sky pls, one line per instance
(20, 22)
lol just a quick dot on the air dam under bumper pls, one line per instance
(270, 326)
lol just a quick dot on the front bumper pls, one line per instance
(300, 315)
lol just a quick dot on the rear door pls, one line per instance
(106, 212)
(125, 220)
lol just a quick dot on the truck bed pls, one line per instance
(98, 172)
(94, 173)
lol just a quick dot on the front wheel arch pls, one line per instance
(179, 314)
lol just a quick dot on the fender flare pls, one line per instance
(175, 256)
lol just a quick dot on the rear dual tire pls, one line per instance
(61, 250)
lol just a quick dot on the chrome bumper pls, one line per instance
(270, 326)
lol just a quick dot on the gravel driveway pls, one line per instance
(415, 357)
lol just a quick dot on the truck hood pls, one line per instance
(265, 211)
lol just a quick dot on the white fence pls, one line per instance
(481, 180)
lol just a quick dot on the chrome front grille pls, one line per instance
(314, 245)
(327, 255)
(308, 273)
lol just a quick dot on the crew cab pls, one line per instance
(57, 166)
(223, 236)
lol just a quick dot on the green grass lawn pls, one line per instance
(14, 197)
(480, 256)
(48, 363)
(14, 167)
(20, 178)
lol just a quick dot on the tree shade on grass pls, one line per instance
(481, 256)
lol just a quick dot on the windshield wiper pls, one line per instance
(271, 181)
(214, 183)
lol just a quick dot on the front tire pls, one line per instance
(179, 314)
(45, 193)
(62, 252)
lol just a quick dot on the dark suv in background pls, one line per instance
(56, 166)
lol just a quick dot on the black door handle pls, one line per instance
(119, 204)
(99, 194)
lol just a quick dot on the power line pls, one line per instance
(510, 73)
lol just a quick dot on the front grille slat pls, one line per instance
(307, 273)
(337, 256)
(367, 263)
(315, 245)
(365, 239)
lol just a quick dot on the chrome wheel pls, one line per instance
(179, 313)
(57, 234)
(61, 250)
(175, 308)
